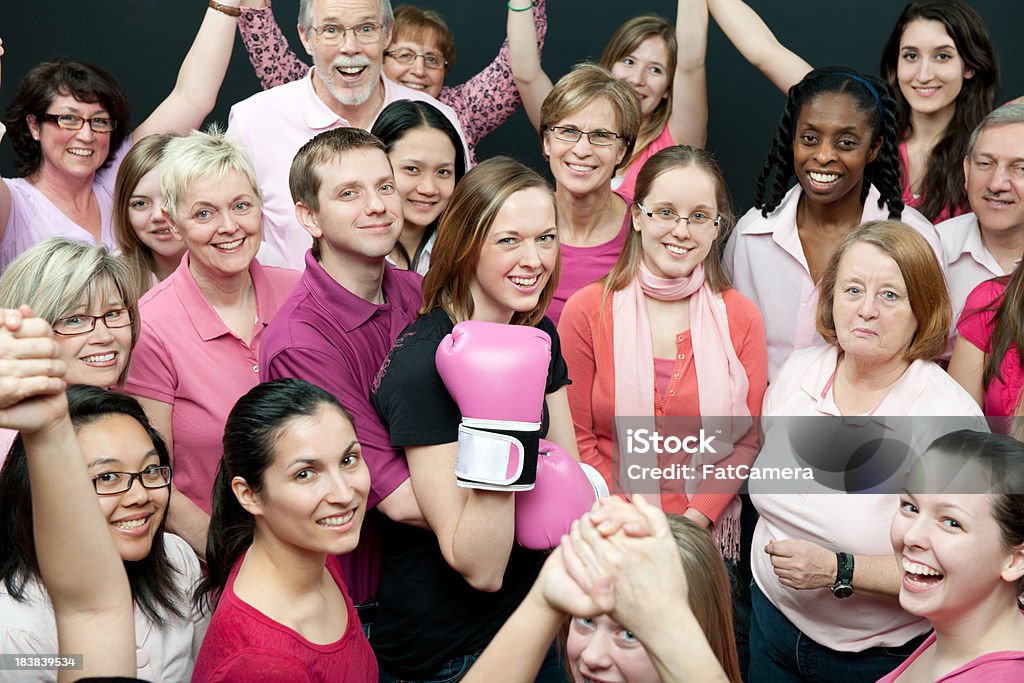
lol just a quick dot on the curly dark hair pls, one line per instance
(944, 180)
(873, 97)
(48, 80)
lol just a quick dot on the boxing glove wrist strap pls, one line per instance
(497, 455)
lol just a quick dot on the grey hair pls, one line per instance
(55, 276)
(306, 14)
(201, 155)
(1006, 115)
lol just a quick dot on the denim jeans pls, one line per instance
(780, 653)
(553, 670)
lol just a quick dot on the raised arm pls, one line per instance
(524, 56)
(81, 569)
(199, 79)
(689, 120)
(5, 193)
(488, 99)
(273, 60)
(756, 42)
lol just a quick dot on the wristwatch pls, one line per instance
(843, 587)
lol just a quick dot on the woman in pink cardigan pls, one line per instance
(665, 340)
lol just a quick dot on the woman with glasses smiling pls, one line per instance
(589, 123)
(69, 130)
(89, 298)
(421, 52)
(665, 335)
(130, 471)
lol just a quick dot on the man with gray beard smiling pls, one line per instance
(345, 87)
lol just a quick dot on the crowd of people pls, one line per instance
(324, 396)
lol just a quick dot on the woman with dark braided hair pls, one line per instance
(838, 138)
(942, 67)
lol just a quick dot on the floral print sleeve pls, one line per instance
(486, 100)
(275, 63)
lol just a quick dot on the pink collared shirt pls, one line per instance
(272, 125)
(854, 523)
(968, 261)
(186, 357)
(766, 262)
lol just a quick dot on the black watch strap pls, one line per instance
(843, 587)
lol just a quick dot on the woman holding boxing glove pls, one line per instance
(481, 354)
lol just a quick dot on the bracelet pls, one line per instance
(225, 9)
(509, 5)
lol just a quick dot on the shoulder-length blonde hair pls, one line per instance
(926, 286)
(477, 200)
(668, 159)
(56, 275)
(142, 158)
(625, 40)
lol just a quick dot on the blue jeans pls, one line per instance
(553, 670)
(780, 653)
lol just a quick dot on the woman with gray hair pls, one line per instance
(89, 298)
(206, 319)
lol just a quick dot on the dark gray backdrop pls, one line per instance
(143, 41)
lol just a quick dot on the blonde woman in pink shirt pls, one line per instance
(826, 579)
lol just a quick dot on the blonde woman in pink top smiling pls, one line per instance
(201, 327)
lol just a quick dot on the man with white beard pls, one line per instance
(345, 87)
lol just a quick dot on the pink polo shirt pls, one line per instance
(766, 262)
(853, 523)
(272, 125)
(186, 357)
(968, 261)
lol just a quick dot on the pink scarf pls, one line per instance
(721, 378)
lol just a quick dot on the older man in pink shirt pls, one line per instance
(989, 242)
(345, 87)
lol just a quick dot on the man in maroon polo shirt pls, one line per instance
(338, 324)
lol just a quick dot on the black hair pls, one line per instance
(397, 119)
(48, 80)
(250, 435)
(872, 96)
(151, 578)
(944, 178)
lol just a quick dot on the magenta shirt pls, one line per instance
(186, 357)
(583, 265)
(976, 326)
(1007, 665)
(626, 184)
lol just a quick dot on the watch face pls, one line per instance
(842, 592)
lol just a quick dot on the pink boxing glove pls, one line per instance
(565, 490)
(497, 375)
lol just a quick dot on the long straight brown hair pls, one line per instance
(476, 201)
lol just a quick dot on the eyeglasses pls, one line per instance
(98, 124)
(110, 483)
(332, 34)
(598, 138)
(408, 58)
(667, 218)
(82, 323)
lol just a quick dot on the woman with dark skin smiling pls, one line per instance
(837, 138)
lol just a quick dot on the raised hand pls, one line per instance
(31, 372)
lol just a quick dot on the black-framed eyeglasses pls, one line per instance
(667, 218)
(598, 138)
(80, 323)
(408, 58)
(332, 34)
(98, 124)
(111, 483)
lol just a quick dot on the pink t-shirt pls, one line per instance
(994, 667)
(626, 184)
(975, 326)
(243, 644)
(34, 218)
(186, 357)
(583, 265)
